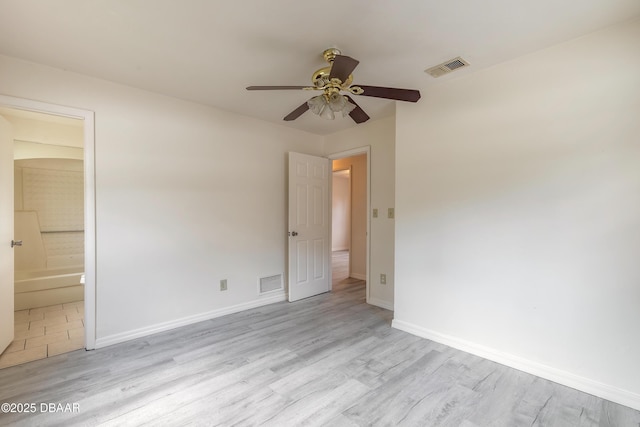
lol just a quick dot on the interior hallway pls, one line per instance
(340, 271)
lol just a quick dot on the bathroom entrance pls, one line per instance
(49, 232)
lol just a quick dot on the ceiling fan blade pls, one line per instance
(357, 114)
(342, 67)
(275, 87)
(409, 95)
(297, 112)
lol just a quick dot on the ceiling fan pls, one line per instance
(337, 78)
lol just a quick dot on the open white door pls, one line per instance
(6, 234)
(309, 252)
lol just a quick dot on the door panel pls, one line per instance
(318, 258)
(6, 234)
(302, 273)
(308, 226)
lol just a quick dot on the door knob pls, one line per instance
(294, 233)
(16, 243)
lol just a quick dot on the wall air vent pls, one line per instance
(270, 283)
(447, 67)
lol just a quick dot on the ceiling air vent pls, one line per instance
(446, 67)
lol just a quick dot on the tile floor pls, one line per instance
(44, 332)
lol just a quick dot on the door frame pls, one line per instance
(89, 199)
(341, 155)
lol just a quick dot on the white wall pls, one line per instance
(186, 195)
(518, 213)
(379, 135)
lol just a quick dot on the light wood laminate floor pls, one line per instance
(329, 360)
(339, 266)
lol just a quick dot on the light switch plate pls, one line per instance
(391, 214)
(375, 212)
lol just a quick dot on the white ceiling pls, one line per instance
(208, 51)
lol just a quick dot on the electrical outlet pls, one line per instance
(375, 212)
(223, 284)
(391, 213)
(383, 279)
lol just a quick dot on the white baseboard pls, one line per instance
(165, 326)
(380, 303)
(605, 391)
(358, 276)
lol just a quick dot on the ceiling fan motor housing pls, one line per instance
(321, 78)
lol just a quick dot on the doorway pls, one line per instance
(340, 225)
(350, 224)
(49, 223)
(54, 212)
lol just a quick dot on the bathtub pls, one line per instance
(40, 288)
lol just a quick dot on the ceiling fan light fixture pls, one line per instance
(320, 106)
(327, 114)
(338, 102)
(345, 106)
(326, 105)
(317, 104)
